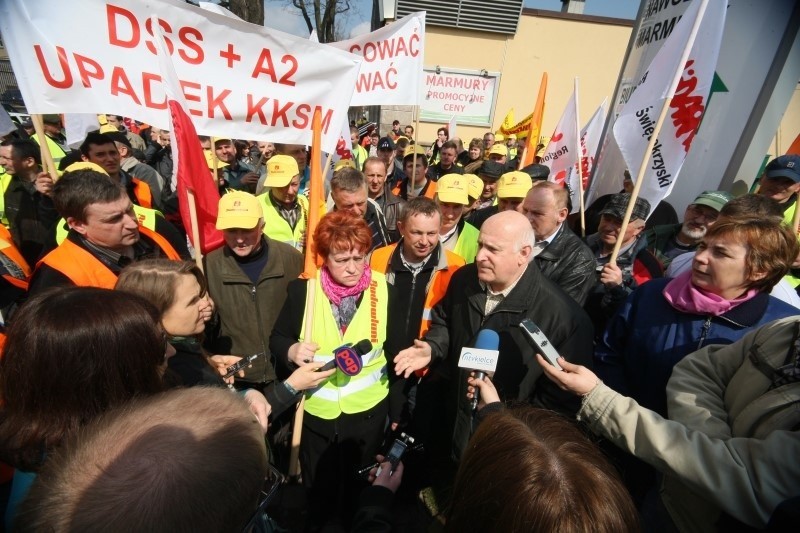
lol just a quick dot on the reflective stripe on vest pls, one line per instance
(5, 181)
(56, 151)
(80, 266)
(8, 249)
(145, 216)
(467, 244)
(429, 191)
(276, 227)
(142, 192)
(342, 393)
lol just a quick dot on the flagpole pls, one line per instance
(659, 123)
(410, 186)
(309, 273)
(580, 161)
(44, 149)
(195, 228)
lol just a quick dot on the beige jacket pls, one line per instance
(729, 445)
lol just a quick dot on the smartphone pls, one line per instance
(394, 454)
(245, 361)
(540, 342)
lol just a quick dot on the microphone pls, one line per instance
(347, 358)
(482, 358)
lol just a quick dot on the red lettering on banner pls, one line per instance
(279, 113)
(121, 20)
(264, 65)
(120, 84)
(286, 79)
(304, 114)
(112, 15)
(147, 89)
(166, 29)
(184, 35)
(688, 108)
(217, 102)
(190, 97)
(370, 81)
(96, 71)
(387, 49)
(63, 62)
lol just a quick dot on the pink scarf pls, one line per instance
(684, 296)
(336, 292)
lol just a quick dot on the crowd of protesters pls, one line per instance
(673, 405)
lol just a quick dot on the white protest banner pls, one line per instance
(636, 123)
(560, 154)
(239, 80)
(469, 94)
(590, 140)
(393, 57)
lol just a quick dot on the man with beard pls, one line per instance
(669, 241)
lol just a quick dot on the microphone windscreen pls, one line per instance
(363, 347)
(487, 340)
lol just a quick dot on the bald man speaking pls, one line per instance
(499, 290)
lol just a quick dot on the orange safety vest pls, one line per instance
(142, 192)
(85, 270)
(9, 249)
(437, 285)
(429, 191)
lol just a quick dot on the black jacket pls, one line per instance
(568, 263)
(31, 218)
(391, 205)
(457, 319)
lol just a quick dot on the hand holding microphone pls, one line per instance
(481, 390)
(481, 359)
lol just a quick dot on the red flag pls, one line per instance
(190, 171)
(193, 175)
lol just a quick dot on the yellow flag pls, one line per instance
(508, 122)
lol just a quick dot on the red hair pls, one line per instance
(341, 231)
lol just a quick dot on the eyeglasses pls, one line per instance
(272, 483)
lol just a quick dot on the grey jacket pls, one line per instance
(731, 444)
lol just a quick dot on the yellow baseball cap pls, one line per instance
(418, 149)
(452, 188)
(514, 184)
(280, 170)
(239, 209)
(210, 159)
(85, 165)
(474, 185)
(344, 163)
(499, 149)
(499, 137)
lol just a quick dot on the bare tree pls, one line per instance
(249, 10)
(321, 15)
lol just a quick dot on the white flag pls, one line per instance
(6, 124)
(560, 154)
(590, 140)
(451, 127)
(689, 85)
(77, 125)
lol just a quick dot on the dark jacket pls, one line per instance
(648, 337)
(637, 265)
(390, 205)
(247, 312)
(457, 319)
(568, 263)
(377, 226)
(660, 238)
(31, 218)
(160, 158)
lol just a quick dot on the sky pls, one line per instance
(287, 18)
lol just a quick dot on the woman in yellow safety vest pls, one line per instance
(345, 416)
